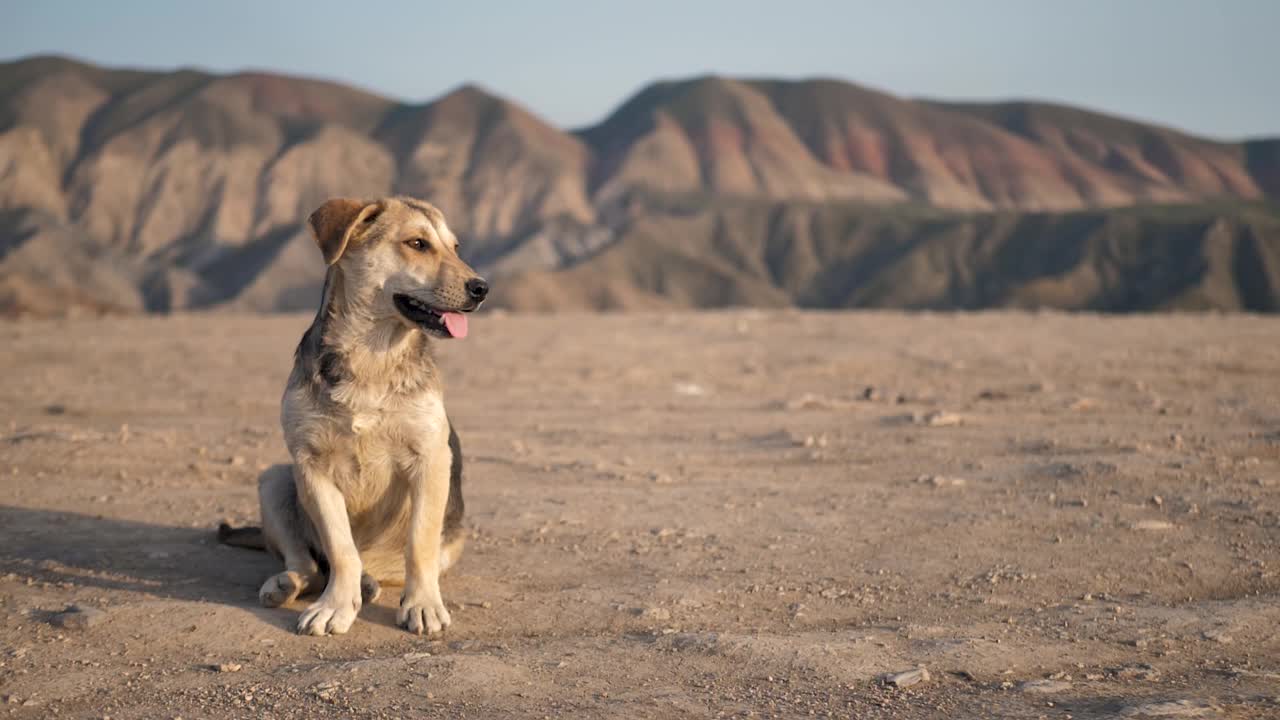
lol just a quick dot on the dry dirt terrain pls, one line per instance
(676, 515)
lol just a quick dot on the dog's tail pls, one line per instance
(245, 537)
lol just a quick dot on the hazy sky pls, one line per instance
(1208, 66)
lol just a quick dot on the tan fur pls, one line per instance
(364, 420)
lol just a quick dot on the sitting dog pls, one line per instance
(374, 494)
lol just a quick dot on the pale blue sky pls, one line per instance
(1205, 66)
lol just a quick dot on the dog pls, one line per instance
(374, 492)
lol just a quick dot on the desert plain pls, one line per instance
(671, 515)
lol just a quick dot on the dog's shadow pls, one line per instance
(157, 560)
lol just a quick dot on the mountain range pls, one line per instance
(124, 190)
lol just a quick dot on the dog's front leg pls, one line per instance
(336, 608)
(422, 608)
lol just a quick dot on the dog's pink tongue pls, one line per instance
(455, 323)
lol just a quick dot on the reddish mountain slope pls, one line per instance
(123, 190)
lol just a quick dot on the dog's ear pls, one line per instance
(334, 222)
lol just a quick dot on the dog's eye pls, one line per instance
(417, 244)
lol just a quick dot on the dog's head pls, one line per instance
(401, 259)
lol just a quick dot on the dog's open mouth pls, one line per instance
(443, 323)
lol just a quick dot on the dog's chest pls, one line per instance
(391, 423)
(390, 446)
(390, 407)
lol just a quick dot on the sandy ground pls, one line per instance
(677, 516)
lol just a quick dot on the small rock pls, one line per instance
(1083, 404)
(325, 690)
(941, 481)
(236, 461)
(228, 667)
(694, 641)
(906, 678)
(77, 617)
(1153, 525)
(1218, 636)
(656, 613)
(938, 418)
(1172, 708)
(689, 389)
(1138, 672)
(1044, 686)
(810, 401)
(660, 478)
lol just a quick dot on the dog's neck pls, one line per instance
(369, 345)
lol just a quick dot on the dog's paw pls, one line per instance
(422, 614)
(329, 616)
(282, 588)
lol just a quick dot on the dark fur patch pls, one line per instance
(308, 354)
(454, 509)
(369, 588)
(331, 369)
(320, 364)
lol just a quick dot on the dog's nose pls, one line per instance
(477, 289)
